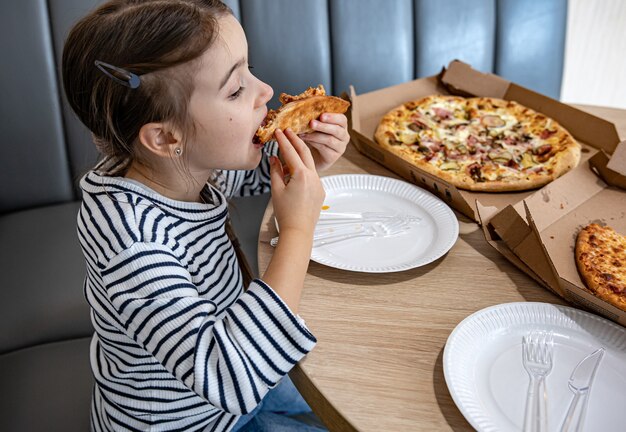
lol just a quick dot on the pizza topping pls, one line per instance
(451, 154)
(545, 134)
(434, 146)
(423, 149)
(407, 137)
(542, 150)
(446, 166)
(543, 153)
(501, 157)
(267, 121)
(474, 172)
(607, 276)
(492, 121)
(512, 163)
(271, 115)
(510, 141)
(442, 113)
(527, 161)
(417, 126)
(392, 138)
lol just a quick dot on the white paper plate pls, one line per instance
(423, 243)
(482, 364)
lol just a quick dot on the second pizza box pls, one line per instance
(459, 78)
(539, 233)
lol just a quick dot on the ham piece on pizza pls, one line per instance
(296, 112)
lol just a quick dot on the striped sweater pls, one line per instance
(179, 345)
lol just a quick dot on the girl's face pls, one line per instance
(228, 105)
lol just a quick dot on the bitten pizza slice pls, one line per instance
(297, 112)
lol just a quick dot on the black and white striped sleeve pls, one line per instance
(230, 360)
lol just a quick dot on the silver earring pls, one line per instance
(178, 151)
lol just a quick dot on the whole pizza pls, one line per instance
(601, 262)
(479, 144)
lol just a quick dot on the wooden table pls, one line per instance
(377, 365)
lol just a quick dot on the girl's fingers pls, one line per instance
(332, 129)
(277, 174)
(334, 118)
(287, 151)
(319, 140)
(301, 148)
(325, 155)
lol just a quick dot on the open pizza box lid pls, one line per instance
(459, 78)
(540, 231)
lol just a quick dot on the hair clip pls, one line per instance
(128, 79)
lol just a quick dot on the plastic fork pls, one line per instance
(537, 358)
(376, 229)
(330, 234)
(327, 217)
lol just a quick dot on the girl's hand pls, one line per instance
(297, 204)
(297, 192)
(329, 140)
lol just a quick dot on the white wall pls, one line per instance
(595, 53)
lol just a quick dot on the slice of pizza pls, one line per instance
(296, 112)
(601, 261)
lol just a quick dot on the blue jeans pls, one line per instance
(274, 413)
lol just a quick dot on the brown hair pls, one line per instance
(150, 38)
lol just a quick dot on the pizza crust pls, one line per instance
(569, 156)
(601, 261)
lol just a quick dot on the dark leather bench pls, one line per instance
(44, 344)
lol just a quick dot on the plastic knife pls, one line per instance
(580, 384)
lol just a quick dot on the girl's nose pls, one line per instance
(266, 93)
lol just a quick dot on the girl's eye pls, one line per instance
(236, 94)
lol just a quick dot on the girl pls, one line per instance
(181, 342)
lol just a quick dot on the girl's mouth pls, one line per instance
(256, 142)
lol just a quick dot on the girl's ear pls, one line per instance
(159, 139)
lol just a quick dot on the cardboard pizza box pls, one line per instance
(459, 78)
(540, 231)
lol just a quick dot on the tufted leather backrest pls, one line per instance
(293, 44)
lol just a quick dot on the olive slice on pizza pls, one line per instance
(297, 112)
